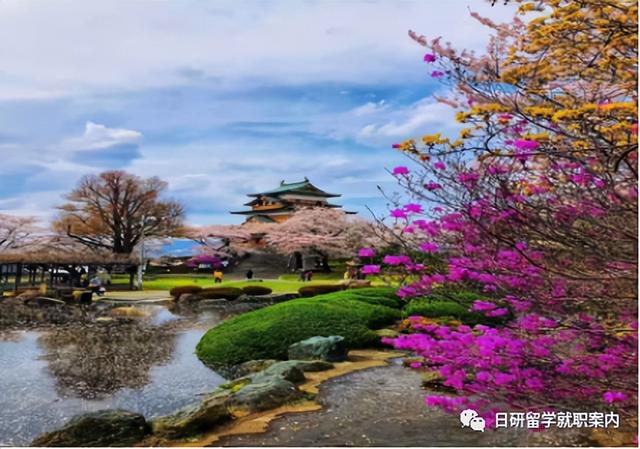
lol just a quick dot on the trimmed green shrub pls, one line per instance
(436, 306)
(229, 293)
(267, 333)
(256, 290)
(314, 290)
(181, 290)
(382, 296)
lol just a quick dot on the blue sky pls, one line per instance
(219, 98)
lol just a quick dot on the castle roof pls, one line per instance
(280, 204)
(301, 188)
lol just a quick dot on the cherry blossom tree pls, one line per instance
(331, 232)
(16, 231)
(228, 240)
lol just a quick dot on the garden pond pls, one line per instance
(144, 362)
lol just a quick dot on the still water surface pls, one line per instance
(145, 365)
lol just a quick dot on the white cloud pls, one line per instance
(33, 204)
(100, 137)
(64, 47)
(423, 116)
(370, 108)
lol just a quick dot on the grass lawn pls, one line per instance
(168, 282)
(331, 276)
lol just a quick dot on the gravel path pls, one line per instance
(381, 406)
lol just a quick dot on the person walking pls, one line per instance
(217, 276)
(249, 275)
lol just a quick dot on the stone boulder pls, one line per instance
(250, 367)
(284, 370)
(211, 411)
(331, 349)
(116, 428)
(313, 365)
(265, 393)
(293, 370)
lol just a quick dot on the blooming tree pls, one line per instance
(15, 231)
(227, 240)
(535, 206)
(331, 232)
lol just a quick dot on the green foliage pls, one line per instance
(267, 333)
(256, 290)
(181, 290)
(229, 293)
(314, 290)
(452, 304)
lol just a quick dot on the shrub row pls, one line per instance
(256, 290)
(314, 290)
(184, 289)
(229, 293)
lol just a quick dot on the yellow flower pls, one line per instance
(431, 139)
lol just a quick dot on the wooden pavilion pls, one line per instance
(58, 262)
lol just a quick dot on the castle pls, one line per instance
(279, 204)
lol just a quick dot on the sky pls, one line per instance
(219, 98)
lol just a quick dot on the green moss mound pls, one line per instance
(383, 296)
(455, 305)
(267, 333)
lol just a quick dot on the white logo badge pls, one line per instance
(470, 418)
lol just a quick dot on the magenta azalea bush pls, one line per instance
(535, 208)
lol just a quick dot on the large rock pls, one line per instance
(332, 349)
(285, 370)
(293, 370)
(267, 393)
(211, 411)
(250, 367)
(103, 428)
(312, 365)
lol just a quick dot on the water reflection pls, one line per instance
(93, 361)
(144, 365)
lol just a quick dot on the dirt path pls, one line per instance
(381, 406)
